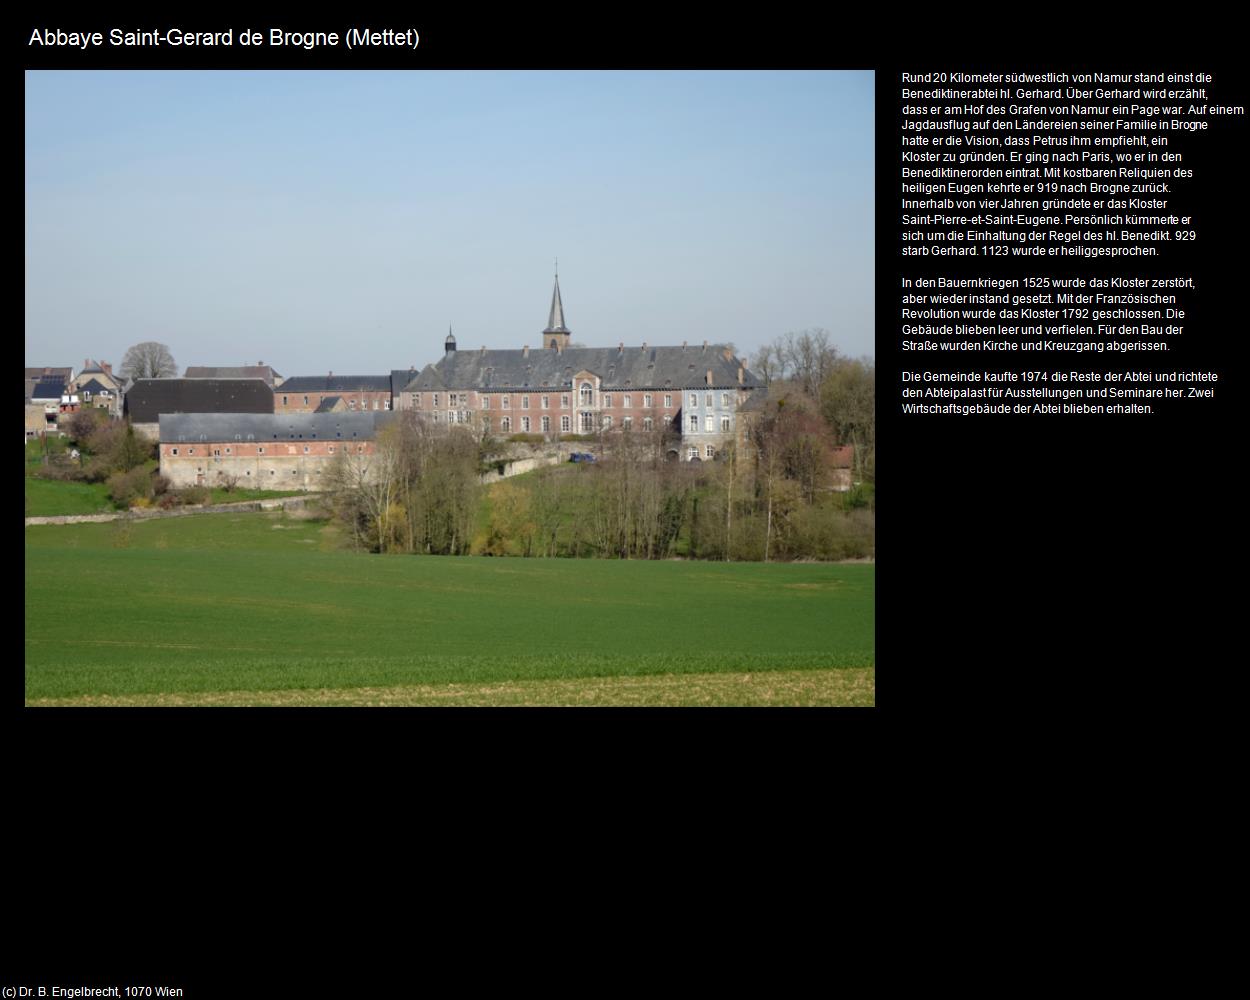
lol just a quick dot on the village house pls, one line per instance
(97, 386)
(558, 390)
(262, 450)
(149, 398)
(48, 396)
(258, 370)
(359, 393)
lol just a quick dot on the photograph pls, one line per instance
(450, 388)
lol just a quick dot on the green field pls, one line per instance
(50, 497)
(264, 608)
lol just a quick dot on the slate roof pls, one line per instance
(617, 368)
(755, 402)
(555, 321)
(148, 398)
(327, 404)
(337, 383)
(176, 427)
(48, 388)
(38, 373)
(245, 371)
(95, 387)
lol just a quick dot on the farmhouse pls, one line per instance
(558, 390)
(258, 370)
(149, 398)
(360, 393)
(261, 450)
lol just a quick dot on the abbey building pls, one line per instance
(693, 391)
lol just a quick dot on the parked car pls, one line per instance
(581, 456)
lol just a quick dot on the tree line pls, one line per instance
(778, 491)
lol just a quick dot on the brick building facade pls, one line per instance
(557, 390)
(359, 393)
(262, 451)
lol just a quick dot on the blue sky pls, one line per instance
(339, 221)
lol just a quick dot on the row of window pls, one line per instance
(259, 451)
(693, 452)
(586, 398)
(378, 404)
(709, 424)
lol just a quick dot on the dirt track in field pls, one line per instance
(848, 687)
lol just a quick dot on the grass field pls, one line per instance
(264, 609)
(50, 498)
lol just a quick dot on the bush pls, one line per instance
(127, 488)
(84, 423)
(194, 495)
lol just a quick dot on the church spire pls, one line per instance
(557, 334)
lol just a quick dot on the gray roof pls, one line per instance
(94, 387)
(148, 398)
(337, 383)
(177, 427)
(755, 401)
(239, 371)
(617, 367)
(328, 403)
(555, 322)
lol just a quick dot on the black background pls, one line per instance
(1043, 583)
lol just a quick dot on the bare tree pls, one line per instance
(149, 360)
(767, 364)
(848, 403)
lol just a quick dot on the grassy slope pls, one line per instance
(265, 603)
(50, 498)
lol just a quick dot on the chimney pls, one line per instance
(620, 347)
(740, 374)
(107, 368)
(683, 345)
(525, 351)
(708, 377)
(644, 346)
(483, 350)
(727, 354)
(260, 364)
(705, 345)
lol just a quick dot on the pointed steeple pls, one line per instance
(557, 334)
